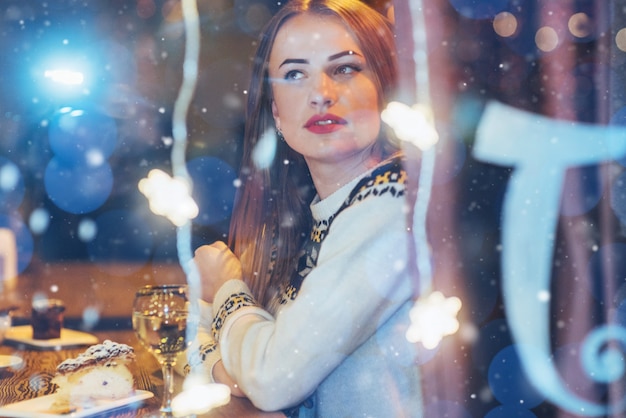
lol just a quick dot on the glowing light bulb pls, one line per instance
(199, 397)
(169, 197)
(411, 124)
(432, 318)
(67, 77)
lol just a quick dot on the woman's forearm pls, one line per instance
(221, 376)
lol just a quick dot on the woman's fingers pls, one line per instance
(216, 264)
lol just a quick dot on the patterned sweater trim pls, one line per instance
(232, 303)
(387, 179)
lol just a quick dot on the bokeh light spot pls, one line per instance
(505, 24)
(78, 189)
(94, 157)
(11, 186)
(9, 176)
(508, 382)
(620, 39)
(87, 230)
(546, 39)
(77, 135)
(39, 221)
(579, 25)
(543, 296)
(91, 316)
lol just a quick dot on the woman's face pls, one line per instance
(325, 97)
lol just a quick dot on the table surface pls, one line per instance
(32, 378)
(109, 291)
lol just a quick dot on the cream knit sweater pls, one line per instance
(336, 347)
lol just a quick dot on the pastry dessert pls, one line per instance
(99, 373)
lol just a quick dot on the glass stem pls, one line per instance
(168, 387)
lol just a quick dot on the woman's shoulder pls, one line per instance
(387, 178)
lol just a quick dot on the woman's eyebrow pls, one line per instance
(344, 53)
(293, 61)
(331, 58)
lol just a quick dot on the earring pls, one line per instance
(280, 135)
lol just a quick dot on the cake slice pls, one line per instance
(99, 373)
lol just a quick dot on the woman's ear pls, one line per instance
(275, 115)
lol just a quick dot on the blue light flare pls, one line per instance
(80, 188)
(66, 77)
(82, 136)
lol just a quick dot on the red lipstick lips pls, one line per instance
(324, 124)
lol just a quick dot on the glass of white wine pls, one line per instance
(160, 322)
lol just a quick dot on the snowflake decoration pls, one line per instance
(432, 318)
(411, 124)
(169, 197)
(199, 396)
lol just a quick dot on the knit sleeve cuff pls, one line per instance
(232, 300)
(232, 296)
(201, 357)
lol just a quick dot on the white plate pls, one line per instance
(9, 361)
(23, 334)
(40, 407)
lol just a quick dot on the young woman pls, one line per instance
(309, 311)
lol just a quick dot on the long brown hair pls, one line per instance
(271, 217)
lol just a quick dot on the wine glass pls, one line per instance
(160, 322)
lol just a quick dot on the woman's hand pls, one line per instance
(216, 265)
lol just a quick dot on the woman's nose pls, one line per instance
(323, 94)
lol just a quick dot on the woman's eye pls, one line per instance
(294, 75)
(348, 69)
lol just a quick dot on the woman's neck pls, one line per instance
(328, 177)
